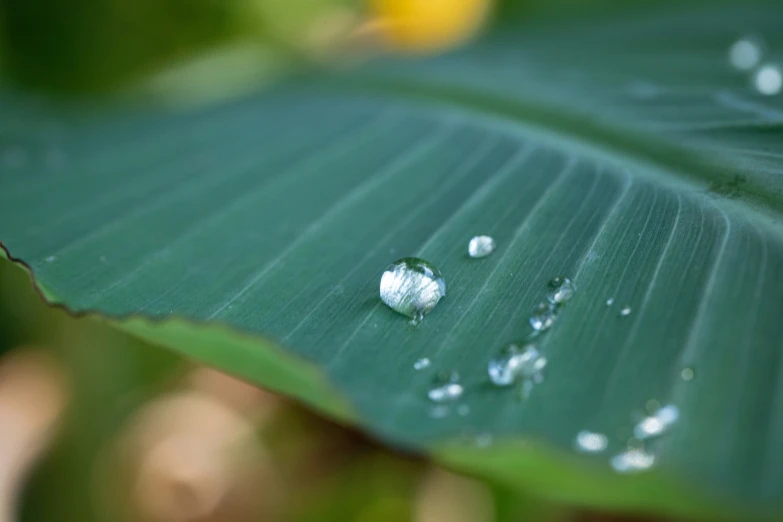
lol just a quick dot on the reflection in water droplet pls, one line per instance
(768, 80)
(610, 301)
(745, 53)
(412, 287)
(625, 311)
(591, 442)
(688, 374)
(514, 363)
(543, 316)
(463, 410)
(422, 363)
(657, 423)
(633, 460)
(561, 289)
(481, 246)
(446, 387)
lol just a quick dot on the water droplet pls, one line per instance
(543, 316)
(610, 301)
(14, 157)
(561, 289)
(439, 412)
(768, 79)
(463, 410)
(50, 259)
(633, 460)
(421, 363)
(657, 423)
(688, 374)
(745, 53)
(626, 311)
(445, 387)
(591, 442)
(481, 246)
(412, 287)
(514, 363)
(484, 440)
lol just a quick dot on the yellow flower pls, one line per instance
(427, 25)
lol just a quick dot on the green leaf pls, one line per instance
(624, 153)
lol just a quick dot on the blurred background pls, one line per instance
(96, 426)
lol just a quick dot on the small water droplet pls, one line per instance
(626, 311)
(439, 412)
(688, 374)
(50, 259)
(591, 442)
(657, 423)
(422, 363)
(745, 53)
(610, 301)
(652, 406)
(632, 460)
(14, 157)
(412, 287)
(543, 316)
(481, 246)
(445, 387)
(463, 410)
(514, 363)
(768, 79)
(561, 289)
(484, 440)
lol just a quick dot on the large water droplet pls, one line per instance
(543, 316)
(768, 79)
(632, 460)
(514, 363)
(481, 246)
(561, 289)
(745, 53)
(445, 387)
(657, 423)
(422, 363)
(590, 442)
(626, 311)
(412, 287)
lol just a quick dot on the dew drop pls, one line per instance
(14, 157)
(590, 442)
(626, 311)
(445, 387)
(657, 423)
(439, 412)
(632, 460)
(610, 301)
(481, 246)
(514, 363)
(745, 53)
(561, 289)
(484, 440)
(687, 374)
(422, 363)
(412, 287)
(543, 316)
(50, 259)
(768, 80)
